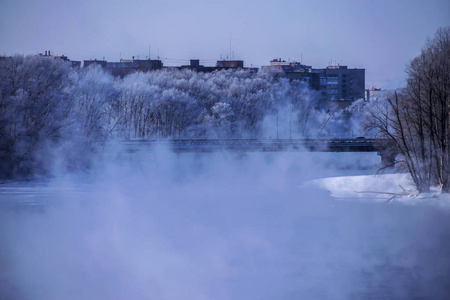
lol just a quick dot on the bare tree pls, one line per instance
(416, 122)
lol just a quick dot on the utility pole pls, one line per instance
(277, 124)
(290, 125)
(230, 49)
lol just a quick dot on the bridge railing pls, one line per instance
(252, 141)
(264, 144)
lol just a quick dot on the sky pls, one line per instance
(379, 36)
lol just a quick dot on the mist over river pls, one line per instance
(159, 225)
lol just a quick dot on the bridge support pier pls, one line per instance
(387, 158)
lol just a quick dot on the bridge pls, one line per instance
(248, 145)
(257, 145)
(263, 145)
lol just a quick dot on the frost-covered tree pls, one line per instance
(47, 107)
(94, 101)
(184, 103)
(222, 115)
(416, 122)
(51, 116)
(33, 110)
(132, 109)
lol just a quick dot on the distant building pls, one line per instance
(278, 65)
(221, 65)
(333, 82)
(341, 83)
(195, 65)
(312, 79)
(375, 94)
(101, 63)
(231, 64)
(294, 71)
(72, 63)
(126, 66)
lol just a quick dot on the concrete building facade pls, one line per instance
(341, 83)
(232, 64)
(333, 82)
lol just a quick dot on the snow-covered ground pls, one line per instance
(387, 188)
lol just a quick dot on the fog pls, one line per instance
(49, 110)
(159, 225)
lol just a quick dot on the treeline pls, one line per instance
(52, 116)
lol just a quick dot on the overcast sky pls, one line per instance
(380, 36)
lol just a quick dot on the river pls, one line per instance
(216, 226)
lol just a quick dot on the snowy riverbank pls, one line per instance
(388, 188)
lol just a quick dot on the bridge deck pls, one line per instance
(210, 145)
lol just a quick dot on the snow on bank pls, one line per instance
(388, 188)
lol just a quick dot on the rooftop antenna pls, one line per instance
(301, 57)
(230, 48)
(149, 52)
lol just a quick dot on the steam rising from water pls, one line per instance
(219, 226)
